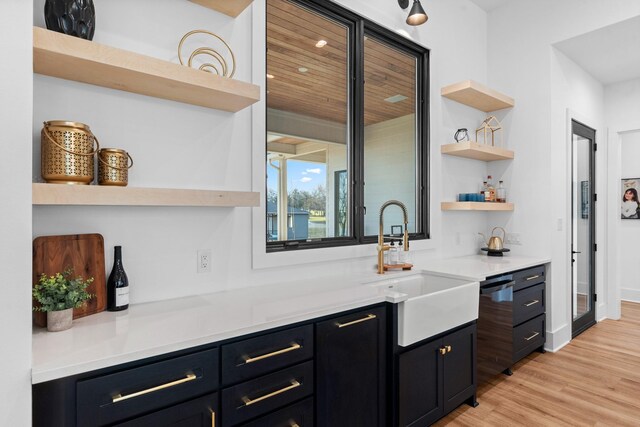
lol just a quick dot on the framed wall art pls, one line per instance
(584, 199)
(630, 205)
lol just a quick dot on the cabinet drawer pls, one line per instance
(529, 277)
(111, 398)
(528, 337)
(299, 414)
(257, 356)
(201, 412)
(257, 397)
(528, 303)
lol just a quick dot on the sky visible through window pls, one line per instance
(301, 175)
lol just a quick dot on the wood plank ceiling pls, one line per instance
(321, 91)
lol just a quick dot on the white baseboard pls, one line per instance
(558, 338)
(632, 295)
(602, 312)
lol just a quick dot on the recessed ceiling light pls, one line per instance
(321, 43)
(303, 69)
(395, 98)
(269, 76)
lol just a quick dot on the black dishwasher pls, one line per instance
(495, 326)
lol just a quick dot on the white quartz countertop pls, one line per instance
(479, 267)
(151, 329)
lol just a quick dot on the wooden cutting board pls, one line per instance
(82, 252)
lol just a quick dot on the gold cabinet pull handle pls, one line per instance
(294, 346)
(295, 424)
(119, 398)
(533, 277)
(529, 304)
(249, 402)
(364, 319)
(448, 347)
(535, 334)
(443, 350)
(213, 419)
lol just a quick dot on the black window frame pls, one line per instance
(358, 27)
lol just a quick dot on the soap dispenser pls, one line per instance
(393, 254)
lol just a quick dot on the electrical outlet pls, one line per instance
(513, 239)
(204, 261)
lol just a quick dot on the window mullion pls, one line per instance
(357, 127)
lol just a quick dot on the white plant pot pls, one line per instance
(59, 320)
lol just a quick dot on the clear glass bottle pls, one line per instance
(483, 189)
(501, 193)
(118, 284)
(490, 192)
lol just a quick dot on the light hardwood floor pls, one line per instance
(593, 381)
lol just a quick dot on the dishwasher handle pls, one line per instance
(496, 288)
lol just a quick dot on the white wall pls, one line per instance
(523, 64)
(629, 247)
(178, 145)
(15, 214)
(575, 95)
(622, 108)
(622, 113)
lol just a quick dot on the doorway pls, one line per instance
(583, 247)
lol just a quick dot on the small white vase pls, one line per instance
(59, 320)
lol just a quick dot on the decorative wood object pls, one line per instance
(490, 124)
(70, 58)
(473, 150)
(84, 253)
(476, 206)
(405, 266)
(232, 8)
(477, 96)
(52, 194)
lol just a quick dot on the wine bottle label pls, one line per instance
(122, 296)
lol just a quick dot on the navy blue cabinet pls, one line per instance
(351, 367)
(201, 412)
(436, 376)
(327, 372)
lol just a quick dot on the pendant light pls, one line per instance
(417, 15)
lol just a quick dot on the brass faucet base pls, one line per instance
(405, 266)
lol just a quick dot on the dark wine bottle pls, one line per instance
(118, 284)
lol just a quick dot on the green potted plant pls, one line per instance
(58, 295)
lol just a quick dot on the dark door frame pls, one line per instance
(587, 320)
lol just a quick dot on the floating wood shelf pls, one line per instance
(72, 58)
(232, 8)
(477, 96)
(476, 206)
(97, 195)
(473, 150)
